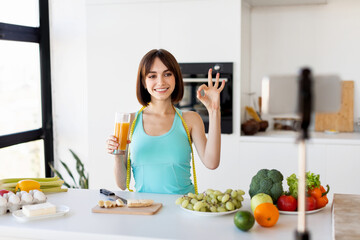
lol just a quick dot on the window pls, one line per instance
(26, 132)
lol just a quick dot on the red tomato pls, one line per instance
(2, 192)
(287, 203)
(310, 203)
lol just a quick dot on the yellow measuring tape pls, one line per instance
(130, 138)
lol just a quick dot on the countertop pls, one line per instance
(171, 222)
(283, 136)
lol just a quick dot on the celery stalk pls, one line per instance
(15, 180)
(54, 189)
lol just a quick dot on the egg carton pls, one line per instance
(12, 202)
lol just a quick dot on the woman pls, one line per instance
(160, 151)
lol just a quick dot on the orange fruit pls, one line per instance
(266, 214)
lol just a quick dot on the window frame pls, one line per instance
(40, 35)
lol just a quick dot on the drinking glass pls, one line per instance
(122, 123)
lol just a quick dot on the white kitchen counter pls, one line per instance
(282, 136)
(170, 222)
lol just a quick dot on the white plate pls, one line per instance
(60, 211)
(296, 212)
(209, 214)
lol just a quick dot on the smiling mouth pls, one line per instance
(160, 90)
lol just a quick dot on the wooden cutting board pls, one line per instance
(342, 121)
(345, 216)
(126, 210)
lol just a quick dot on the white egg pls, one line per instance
(3, 201)
(14, 199)
(18, 194)
(31, 192)
(39, 196)
(10, 193)
(26, 198)
(6, 196)
(23, 192)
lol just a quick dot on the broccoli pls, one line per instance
(267, 181)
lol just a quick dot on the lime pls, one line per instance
(244, 220)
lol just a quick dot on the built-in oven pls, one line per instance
(196, 74)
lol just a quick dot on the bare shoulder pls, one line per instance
(192, 118)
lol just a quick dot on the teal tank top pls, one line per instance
(161, 164)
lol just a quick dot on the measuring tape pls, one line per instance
(188, 135)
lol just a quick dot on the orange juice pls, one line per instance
(121, 133)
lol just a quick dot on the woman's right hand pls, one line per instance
(112, 144)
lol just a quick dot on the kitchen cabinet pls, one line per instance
(334, 157)
(170, 222)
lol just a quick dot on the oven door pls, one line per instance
(191, 103)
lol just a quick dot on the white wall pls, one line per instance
(69, 81)
(96, 47)
(325, 37)
(121, 32)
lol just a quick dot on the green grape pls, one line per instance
(191, 195)
(241, 192)
(185, 203)
(203, 209)
(200, 196)
(225, 198)
(213, 195)
(213, 209)
(193, 201)
(179, 200)
(234, 193)
(221, 209)
(217, 192)
(190, 207)
(219, 198)
(213, 201)
(228, 190)
(209, 191)
(236, 203)
(198, 205)
(229, 206)
(240, 198)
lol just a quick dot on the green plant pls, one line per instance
(83, 181)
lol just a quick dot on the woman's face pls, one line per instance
(160, 81)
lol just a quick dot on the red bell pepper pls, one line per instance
(2, 192)
(320, 195)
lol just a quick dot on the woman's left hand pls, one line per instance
(211, 97)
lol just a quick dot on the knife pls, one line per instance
(112, 195)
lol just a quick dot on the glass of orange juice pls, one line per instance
(122, 123)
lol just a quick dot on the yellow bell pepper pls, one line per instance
(27, 185)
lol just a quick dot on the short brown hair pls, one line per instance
(170, 62)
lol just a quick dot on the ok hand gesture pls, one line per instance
(211, 97)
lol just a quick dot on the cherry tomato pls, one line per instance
(287, 203)
(310, 203)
